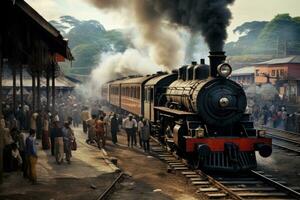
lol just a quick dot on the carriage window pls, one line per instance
(151, 94)
(138, 95)
(130, 91)
(133, 92)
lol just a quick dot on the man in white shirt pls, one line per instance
(130, 124)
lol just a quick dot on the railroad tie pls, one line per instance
(192, 176)
(258, 194)
(237, 189)
(196, 179)
(180, 168)
(177, 165)
(188, 173)
(216, 195)
(200, 183)
(208, 189)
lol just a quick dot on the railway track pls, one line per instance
(108, 191)
(252, 185)
(284, 139)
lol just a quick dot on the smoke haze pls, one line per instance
(165, 45)
(211, 18)
(158, 25)
(116, 65)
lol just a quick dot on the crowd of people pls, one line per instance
(20, 129)
(98, 125)
(275, 116)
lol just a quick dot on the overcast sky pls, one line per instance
(242, 11)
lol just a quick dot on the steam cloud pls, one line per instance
(210, 17)
(165, 46)
(157, 24)
(115, 65)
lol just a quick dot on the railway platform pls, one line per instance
(88, 175)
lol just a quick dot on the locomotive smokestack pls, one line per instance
(216, 58)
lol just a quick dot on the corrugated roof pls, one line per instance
(59, 82)
(61, 45)
(244, 71)
(286, 60)
(7, 80)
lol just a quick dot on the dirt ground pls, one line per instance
(89, 175)
(150, 179)
(86, 178)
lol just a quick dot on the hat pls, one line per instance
(130, 115)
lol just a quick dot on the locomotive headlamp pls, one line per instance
(224, 70)
(224, 102)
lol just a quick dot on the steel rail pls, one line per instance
(233, 194)
(220, 185)
(284, 131)
(279, 186)
(210, 179)
(283, 138)
(108, 190)
(286, 148)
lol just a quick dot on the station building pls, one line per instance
(31, 48)
(244, 76)
(284, 73)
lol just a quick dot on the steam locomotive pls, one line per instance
(197, 111)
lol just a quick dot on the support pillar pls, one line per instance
(21, 87)
(14, 88)
(53, 88)
(33, 91)
(48, 90)
(38, 89)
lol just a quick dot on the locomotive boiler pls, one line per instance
(216, 99)
(198, 112)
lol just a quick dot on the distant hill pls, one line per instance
(87, 40)
(258, 41)
(278, 37)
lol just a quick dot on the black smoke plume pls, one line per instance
(210, 17)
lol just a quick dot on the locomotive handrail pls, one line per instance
(245, 130)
